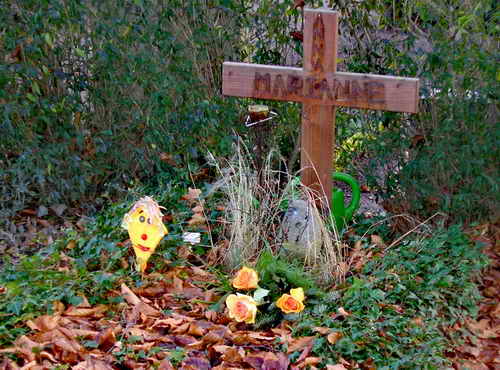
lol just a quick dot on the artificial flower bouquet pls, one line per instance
(243, 307)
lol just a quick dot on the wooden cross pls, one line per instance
(320, 88)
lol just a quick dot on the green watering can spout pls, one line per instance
(342, 214)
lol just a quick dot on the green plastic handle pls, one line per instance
(340, 213)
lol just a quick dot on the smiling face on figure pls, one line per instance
(145, 229)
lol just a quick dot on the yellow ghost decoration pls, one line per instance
(145, 228)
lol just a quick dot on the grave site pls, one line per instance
(249, 185)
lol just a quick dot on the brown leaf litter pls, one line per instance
(481, 349)
(153, 321)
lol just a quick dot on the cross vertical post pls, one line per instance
(318, 120)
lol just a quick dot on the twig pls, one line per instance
(395, 242)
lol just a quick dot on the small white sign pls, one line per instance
(192, 238)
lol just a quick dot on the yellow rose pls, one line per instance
(245, 279)
(293, 302)
(242, 308)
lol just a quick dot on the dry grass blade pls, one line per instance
(254, 212)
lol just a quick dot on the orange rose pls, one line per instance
(242, 308)
(293, 302)
(245, 279)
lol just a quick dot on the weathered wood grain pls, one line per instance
(343, 89)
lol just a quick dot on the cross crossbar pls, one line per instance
(355, 90)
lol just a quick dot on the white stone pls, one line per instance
(300, 229)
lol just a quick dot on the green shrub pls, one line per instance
(442, 159)
(94, 94)
(456, 166)
(399, 303)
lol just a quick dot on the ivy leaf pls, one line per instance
(260, 294)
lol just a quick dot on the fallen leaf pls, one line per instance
(297, 35)
(260, 336)
(343, 312)
(168, 323)
(199, 271)
(490, 292)
(232, 354)
(165, 365)
(496, 312)
(44, 323)
(183, 340)
(28, 212)
(365, 188)
(146, 347)
(68, 344)
(196, 330)
(197, 209)
(26, 347)
(184, 252)
(29, 366)
(195, 363)
(129, 296)
(377, 240)
(168, 158)
(197, 219)
(59, 209)
(84, 303)
(42, 211)
(299, 343)
(482, 329)
(471, 350)
(473, 365)
(48, 356)
(213, 337)
(145, 310)
(181, 329)
(97, 311)
(71, 244)
(141, 334)
(310, 361)
(178, 285)
(322, 330)
(336, 367)
(417, 140)
(44, 223)
(84, 333)
(91, 363)
(267, 361)
(106, 339)
(305, 352)
(418, 321)
(192, 195)
(334, 337)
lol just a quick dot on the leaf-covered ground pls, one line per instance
(400, 307)
(166, 324)
(481, 350)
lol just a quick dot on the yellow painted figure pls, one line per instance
(145, 228)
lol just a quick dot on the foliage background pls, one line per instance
(97, 96)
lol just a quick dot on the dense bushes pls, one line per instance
(97, 95)
(442, 159)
